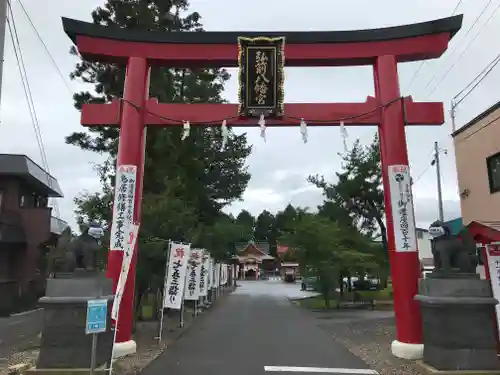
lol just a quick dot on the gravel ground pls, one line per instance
(24, 351)
(146, 337)
(367, 334)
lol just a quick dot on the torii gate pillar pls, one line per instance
(405, 265)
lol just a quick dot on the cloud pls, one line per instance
(279, 166)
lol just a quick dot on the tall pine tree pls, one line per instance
(194, 175)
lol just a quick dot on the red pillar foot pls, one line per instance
(405, 264)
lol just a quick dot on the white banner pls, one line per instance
(204, 270)
(403, 216)
(209, 273)
(127, 258)
(173, 291)
(493, 256)
(123, 206)
(214, 275)
(192, 290)
(224, 274)
(218, 272)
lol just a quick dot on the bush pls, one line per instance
(377, 295)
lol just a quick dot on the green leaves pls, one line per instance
(357, 198)
(186, 183)
(325, 249)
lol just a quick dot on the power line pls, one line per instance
(425, 61)
(54, 63)
(456, 7)
(465, 50)
(426, 169)
(421, 174)
(27, 91)
(476, 77)
(495, 63)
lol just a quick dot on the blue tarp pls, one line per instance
(455, 225)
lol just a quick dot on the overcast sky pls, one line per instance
(280, 166)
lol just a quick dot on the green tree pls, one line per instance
(186, 184)
(285, 219)
(358, 190)
(356, 200)
(323, 249)
(245, 218)
(265, 230)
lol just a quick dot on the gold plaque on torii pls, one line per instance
(261, 76)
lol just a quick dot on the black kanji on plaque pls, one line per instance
(261, 76)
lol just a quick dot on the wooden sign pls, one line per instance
(261, 76)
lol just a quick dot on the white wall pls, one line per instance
(424, 244)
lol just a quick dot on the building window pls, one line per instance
(493, 166)
(22, 201)
(41, 202)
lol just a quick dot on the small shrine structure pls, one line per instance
(251, 258)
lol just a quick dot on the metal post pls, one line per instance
(3, 21)
(93, 354)
(439, 191)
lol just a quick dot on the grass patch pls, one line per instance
(377, 295)
(316, 303)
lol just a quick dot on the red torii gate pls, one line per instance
(382, 48)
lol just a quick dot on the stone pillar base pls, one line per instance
(458, 316)
(64, 343)
(122, 349)
(405, 350)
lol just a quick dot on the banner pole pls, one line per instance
(162, 306)
(113, 350)
(182, 301)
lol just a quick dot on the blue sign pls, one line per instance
(97, 314)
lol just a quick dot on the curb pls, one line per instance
(18, 369)
(26, 312)
(428, 369)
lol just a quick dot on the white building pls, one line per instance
(424, 249)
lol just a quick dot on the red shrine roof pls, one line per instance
(485, 232)
(251, 249)
(282, 249)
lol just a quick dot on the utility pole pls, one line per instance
(3, 21)
(438, 173)
(452, 114)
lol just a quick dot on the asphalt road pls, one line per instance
(18, 332)
(257, 331)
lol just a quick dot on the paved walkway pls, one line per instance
(251, 333)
